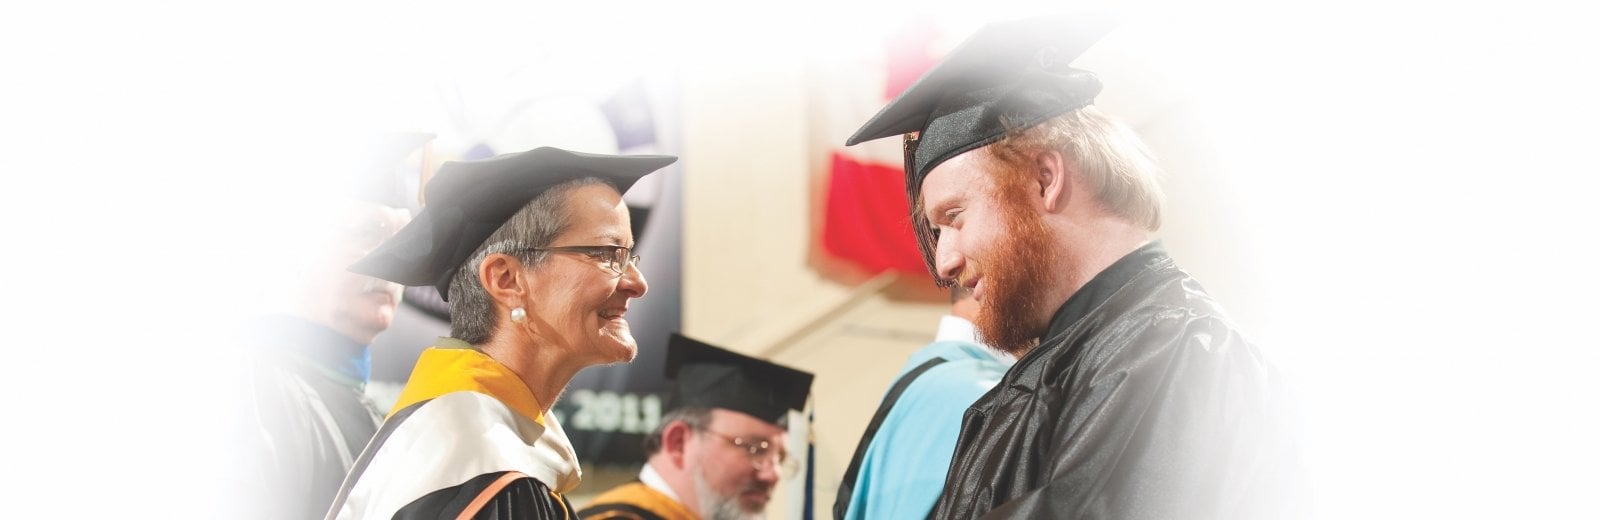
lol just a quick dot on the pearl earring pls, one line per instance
(518, 314)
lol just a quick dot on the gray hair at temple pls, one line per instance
(1120, 170)
(537, 224)
(697, 418)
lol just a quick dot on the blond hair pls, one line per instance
(1120, 171)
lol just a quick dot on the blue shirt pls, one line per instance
(903, 470)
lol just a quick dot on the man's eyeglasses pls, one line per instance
(762, 453)
(617, 258)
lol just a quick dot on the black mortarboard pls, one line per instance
(711, 377)
(469, 200)
(382, 174)
(1007, 75)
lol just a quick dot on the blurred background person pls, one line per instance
(533, 251)
(721, 446)
(306, 367)
(899, 466)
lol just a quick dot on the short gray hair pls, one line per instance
(537, 224)
(697, 418)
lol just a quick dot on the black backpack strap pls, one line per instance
(847, 486)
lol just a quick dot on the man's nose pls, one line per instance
(947, 261)
(768, 473)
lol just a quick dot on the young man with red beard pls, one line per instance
(1134, 396)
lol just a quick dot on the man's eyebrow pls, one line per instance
(935, 212)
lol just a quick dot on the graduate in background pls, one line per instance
(1134, 396)
(306, 413)
(721, 446)
(533, 250)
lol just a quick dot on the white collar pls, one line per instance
(653, 480)
(955, 328)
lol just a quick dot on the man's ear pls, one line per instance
(501, 276)
(673, 440)
(1055, 179)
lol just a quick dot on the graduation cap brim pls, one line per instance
(1007, 75)
(469, 200)
(707, 376)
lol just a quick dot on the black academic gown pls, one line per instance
(1142, 401)
(306, 415)
(635, 501)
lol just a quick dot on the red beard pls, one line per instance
(1011, 316)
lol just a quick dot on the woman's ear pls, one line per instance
(1055, 179)
(502, 277)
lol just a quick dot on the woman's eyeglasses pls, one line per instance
(617, 258)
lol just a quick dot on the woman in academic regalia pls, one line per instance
(534, 253)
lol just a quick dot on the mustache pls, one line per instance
(759, 487)
(964, 278)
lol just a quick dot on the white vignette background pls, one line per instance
(1417, 176)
